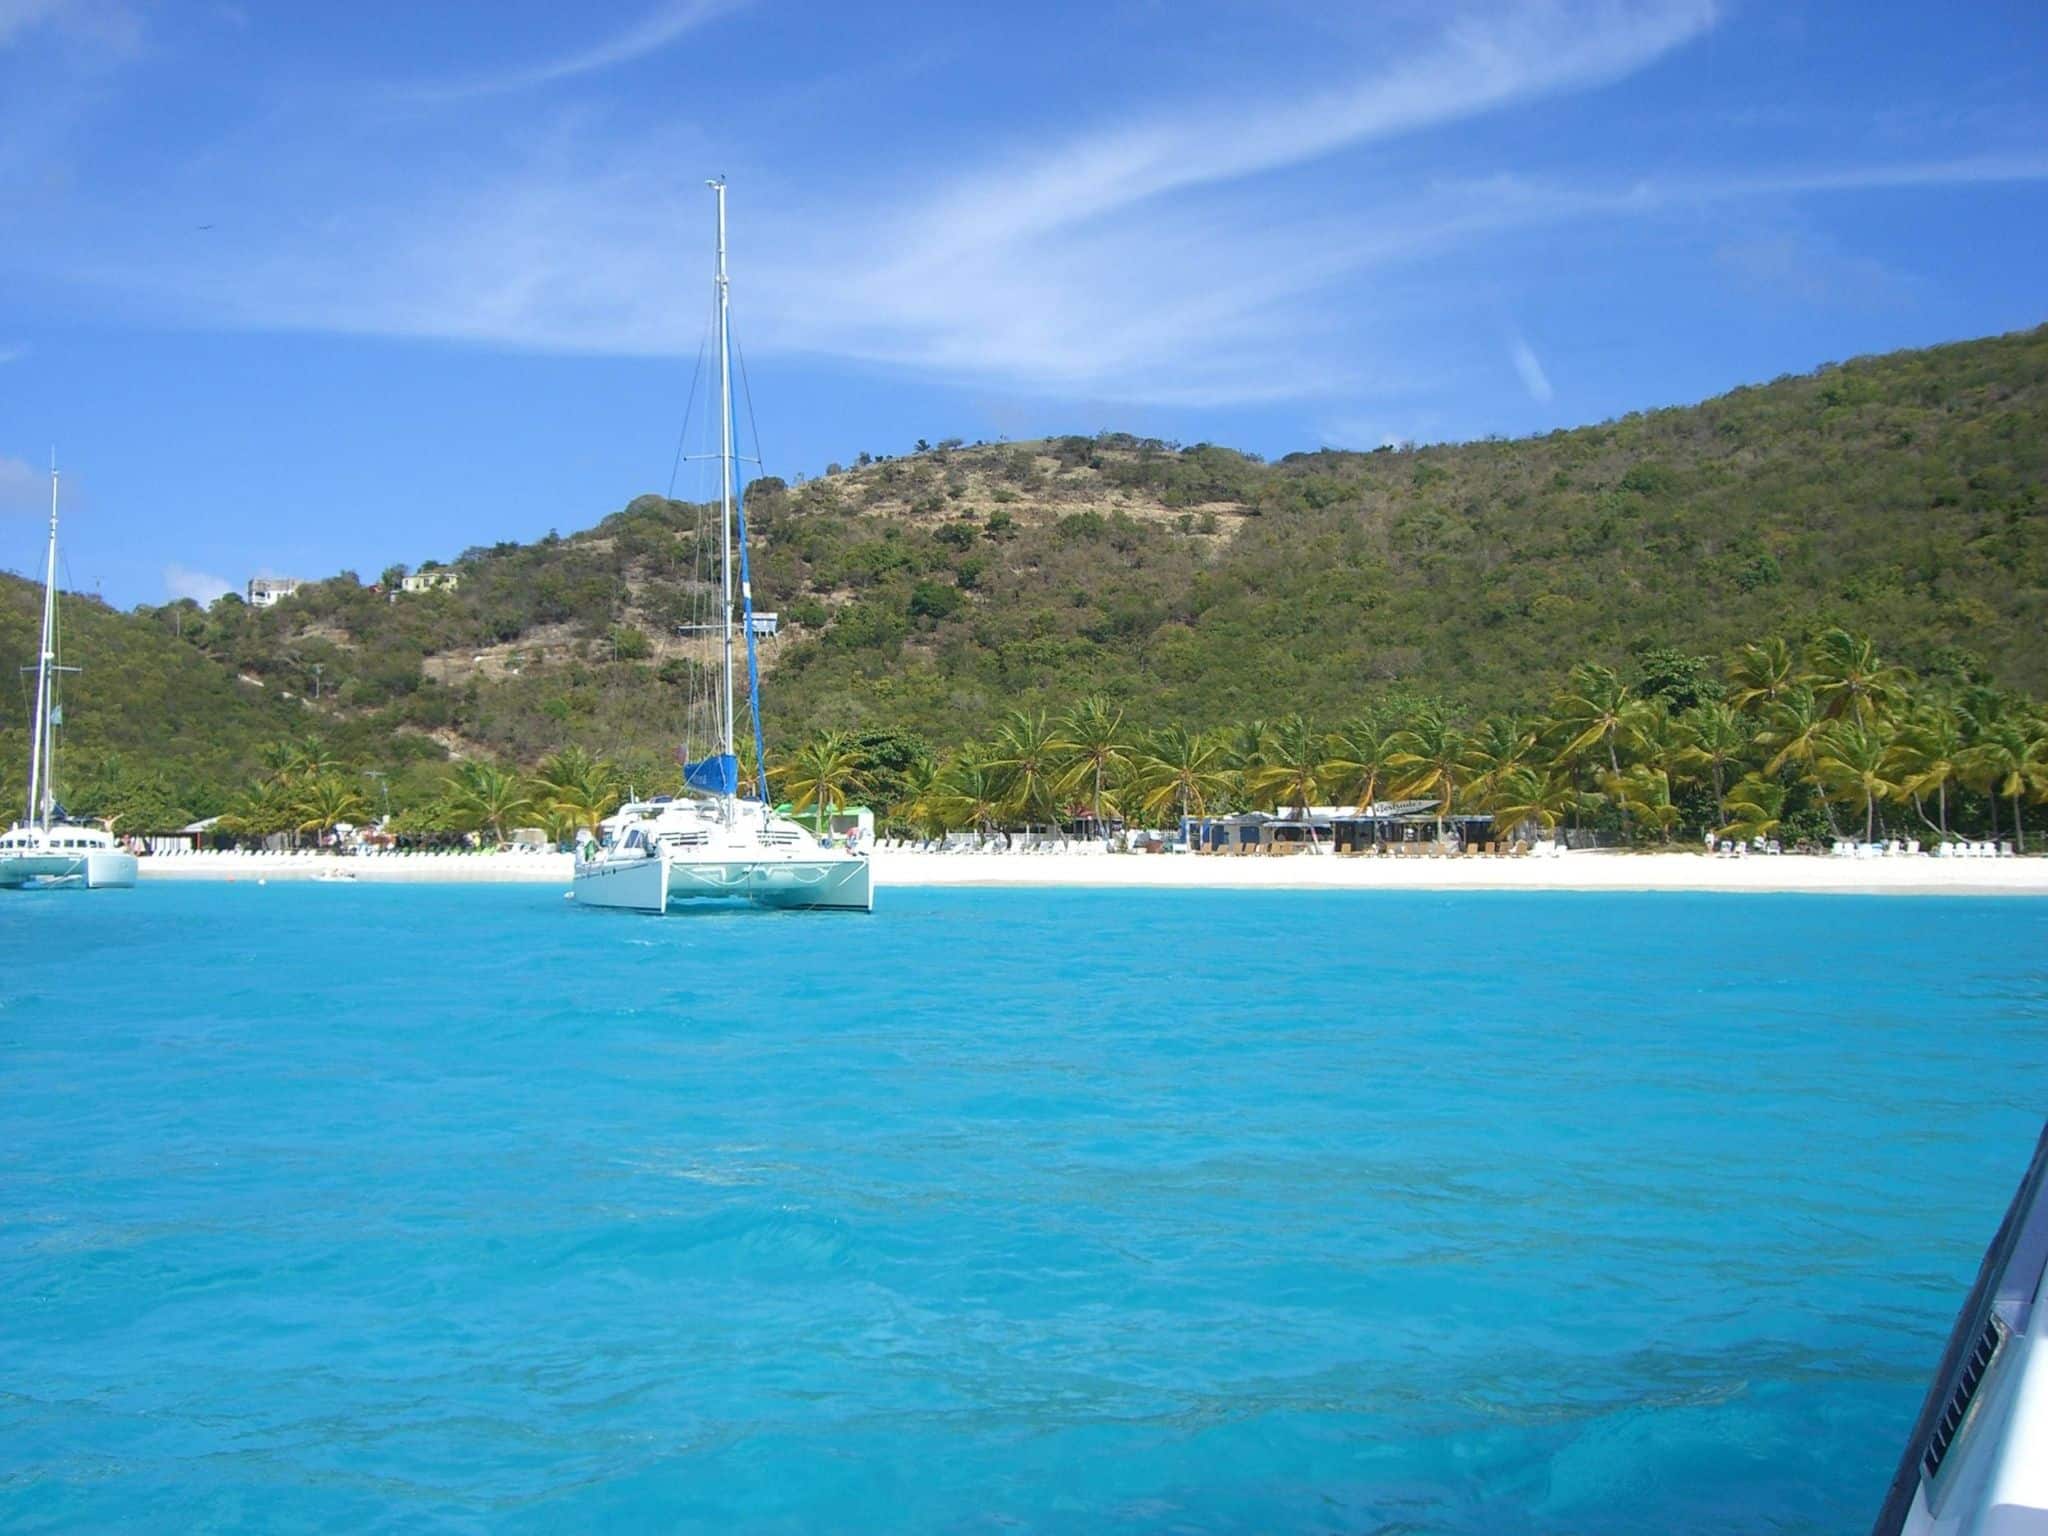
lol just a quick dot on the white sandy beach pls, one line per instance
(1583, 871)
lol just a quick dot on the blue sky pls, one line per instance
(301, 288)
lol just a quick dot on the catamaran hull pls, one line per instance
(657, 885)
(845, 885)
(630, 885)
(90, 871)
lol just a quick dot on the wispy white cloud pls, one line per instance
(1070, 267)
(1168, 255)
(1144, 258)
(110, 24)
(22, 485)
(1800, 266)
(1529, 368)
(1477, 65)
(653, 32)
(181, 581)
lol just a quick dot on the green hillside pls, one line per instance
(1900, 497)
(151, 723)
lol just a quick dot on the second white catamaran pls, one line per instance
(47, 849)
(709, 842)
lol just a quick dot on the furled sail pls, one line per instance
(719, 775)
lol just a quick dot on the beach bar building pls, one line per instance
(1405, 821)
(1340, 828)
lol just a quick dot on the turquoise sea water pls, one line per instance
(347, 1207)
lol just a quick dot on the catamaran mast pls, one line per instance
(725, 466)
(42, 754)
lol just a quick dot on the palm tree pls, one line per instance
(1100, 746)
(1643, 793)
(1358, 766)
(1791, 726)
(1501, 745)
(1180, 768)
(574, 791)
(276, 757)
(1931, 748)
(1028, 757)
(1290, 772)
(1717, 739)
(577, 808)
(2010, 758)
(1761, 674)
(1791, 733)
(1754, 806)
(1659, 739)
(1526, 793)
(820, 775)
(1848, 678)
(1245, 745)
(487, 798)
(1853, 760)
(1429, 752)
(294, 761)
(324, 801)
(1597, 713)
(573, 765)
(260, 810)
(917, 808)
(968, 791)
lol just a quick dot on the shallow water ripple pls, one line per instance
(1048, 1211)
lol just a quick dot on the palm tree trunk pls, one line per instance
(1942, 787)
(1869, 816)
(1614, 762)
(2019, 829)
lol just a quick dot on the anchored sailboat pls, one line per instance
(709, 843)
(46, 848)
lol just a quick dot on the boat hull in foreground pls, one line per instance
(1977, 1461)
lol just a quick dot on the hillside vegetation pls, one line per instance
(1899, 497)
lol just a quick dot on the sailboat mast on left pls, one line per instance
(44, 849)
(43, 749)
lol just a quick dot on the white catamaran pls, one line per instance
(46, 848)
(709, 842)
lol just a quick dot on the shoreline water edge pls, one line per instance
(1576, 871)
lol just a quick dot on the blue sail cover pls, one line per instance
(718, 775)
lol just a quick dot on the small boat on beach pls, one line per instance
(710, 842)
(1976, 1463)
(47, 849)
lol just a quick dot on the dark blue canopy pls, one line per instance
(718, 775)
